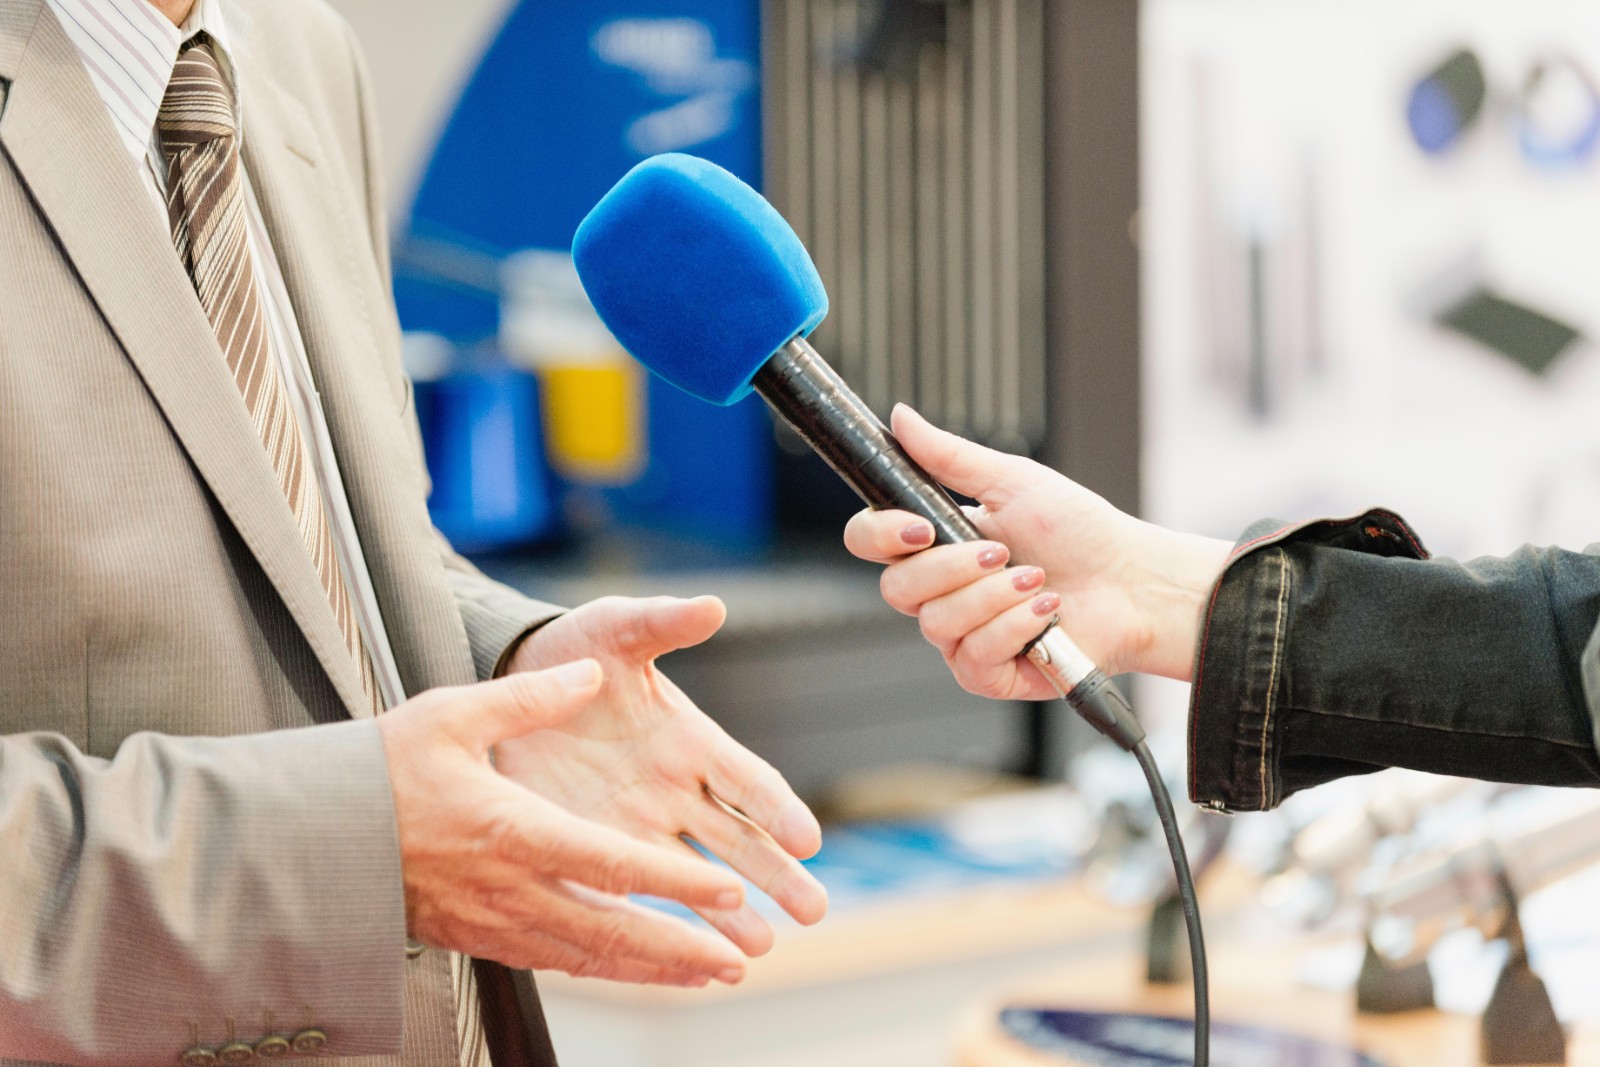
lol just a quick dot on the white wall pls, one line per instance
(420, 53)
(1300, 94)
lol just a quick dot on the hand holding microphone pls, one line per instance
(1131, 593)
(706, 284)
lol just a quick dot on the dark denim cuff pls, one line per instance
(1238, 676)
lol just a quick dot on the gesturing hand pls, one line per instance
(1128, 592)
(495, 871)
(644, 760)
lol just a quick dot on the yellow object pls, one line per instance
(594, 418)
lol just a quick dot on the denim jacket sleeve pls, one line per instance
(1340, 647)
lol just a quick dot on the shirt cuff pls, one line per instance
(1238, 678)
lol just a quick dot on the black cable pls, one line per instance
(1186, 894)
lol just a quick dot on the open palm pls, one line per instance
(642, 758)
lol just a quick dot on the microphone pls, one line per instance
(1532, 839)
(1327, 853)
(705, 284)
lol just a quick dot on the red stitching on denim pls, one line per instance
(1242, 549)
(1404, 529)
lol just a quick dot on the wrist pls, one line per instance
(1178, 572)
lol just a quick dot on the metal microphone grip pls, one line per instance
(827, 414)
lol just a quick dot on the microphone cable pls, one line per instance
(1188, 898)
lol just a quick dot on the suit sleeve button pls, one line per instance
(414, 948)
(272, 1046)
(199, 1056)
(308, 1041)
(236, 1052)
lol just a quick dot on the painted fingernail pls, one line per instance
(1027, 578)
(993, 556)
(731, 975)
(1046, 604)
(918, 534)
(730, 900)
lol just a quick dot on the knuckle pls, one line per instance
(497, 900)
(978, 678)
(731, 774)
(612, 938)
(936, 629)
(586, 967)
(980, 686)
(614, 872)
(892, 585)
(506, 840)
(608, 603)
(931, 623)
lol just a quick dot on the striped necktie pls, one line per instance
(205, 205)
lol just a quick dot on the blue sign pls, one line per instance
(1118, 1039)
(565, 100)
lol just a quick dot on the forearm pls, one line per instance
(190, 887)
(1340, 648)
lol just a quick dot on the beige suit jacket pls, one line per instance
(197, 837)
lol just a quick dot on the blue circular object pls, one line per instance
(1436, 123)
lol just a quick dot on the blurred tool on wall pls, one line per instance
(1357, 270)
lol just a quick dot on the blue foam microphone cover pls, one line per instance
(696, 274)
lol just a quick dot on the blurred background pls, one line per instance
(1216, 259)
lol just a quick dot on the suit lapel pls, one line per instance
(318, 231)
(57, 134)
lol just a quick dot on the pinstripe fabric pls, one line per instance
(206, 210)
(208, 840)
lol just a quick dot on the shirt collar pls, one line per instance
(129, 49)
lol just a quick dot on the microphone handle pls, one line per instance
(810, 396)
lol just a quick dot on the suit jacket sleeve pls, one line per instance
(496, 616)
(192, 886)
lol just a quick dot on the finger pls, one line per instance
(643, 629)
(540, 836)
(753, 853)
(749, 784)
(911, 583)
(969, 468)
(947, 620)
(536, 950)
(744, 926)
(518, 704)
(989, 662)
(616, 929)
(883, 536)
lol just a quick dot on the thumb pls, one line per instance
(521, 703)
(653, 627)
(971, 469)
